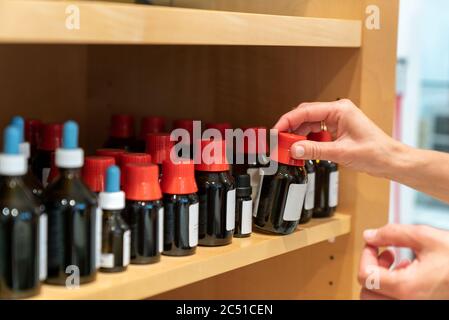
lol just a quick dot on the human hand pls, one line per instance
(357, 142)
(427, 277)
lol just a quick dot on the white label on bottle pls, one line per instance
(295, 201)
(107, 260)
(193, 225)
(45, 174)
(259, 190)
(254, 174)
(309, 203)
(333, 189)
(43, 225)
(230, 210)
(98, 235)
(247, 219)
(126, 247)
(161, 229)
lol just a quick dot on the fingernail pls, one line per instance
(369, 234)
(298, 151)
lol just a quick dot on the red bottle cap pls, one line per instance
(51, 137)
(33, 129)
(178, 177)
(142, 182)
(220, 127)
(186, 124)
(54, 171)
(159, 146)
(322, 136)
(259, 145)
(285, 142)
(94, 171)
(115, 153)
(151, 125)
(212, 156)
(132, 158)
(122, 126)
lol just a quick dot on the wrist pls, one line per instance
(399, 160)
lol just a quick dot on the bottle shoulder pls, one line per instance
(15, 194)
(216, 179)
(65, 188)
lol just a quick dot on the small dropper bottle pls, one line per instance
(30, 179)
(116, 240)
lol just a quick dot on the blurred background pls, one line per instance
(422, 111)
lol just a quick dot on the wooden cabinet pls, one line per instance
(246, 62)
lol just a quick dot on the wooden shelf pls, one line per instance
(33, 21)
(140, 282)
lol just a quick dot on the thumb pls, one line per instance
(397, 235)
(314, 150)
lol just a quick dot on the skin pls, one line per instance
(360, 145)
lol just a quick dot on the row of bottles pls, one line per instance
(119, 207)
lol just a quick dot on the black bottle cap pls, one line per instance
(243, 185)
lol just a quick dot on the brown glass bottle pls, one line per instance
(19, 240)
(326, 189)
(279, 201)
(121, 133)
(309, 201)
(181, 207)
(243, 206)
(216, 192)
(72, 218)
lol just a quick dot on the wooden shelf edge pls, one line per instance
(44, 21)
(140, 282)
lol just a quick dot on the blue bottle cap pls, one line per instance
(70, 135)
(11, 140)
(20, 124)
(112, 179)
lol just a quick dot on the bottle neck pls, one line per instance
(72, 173)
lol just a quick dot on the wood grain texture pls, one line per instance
(24, 21)
(144, 281)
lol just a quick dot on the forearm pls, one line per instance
(424, 170)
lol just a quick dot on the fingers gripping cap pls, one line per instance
(281, 154)
(69, 156)
(12, 162)
(322, 136)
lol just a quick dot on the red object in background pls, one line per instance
(115, 153)
(51, 137)
(286, 140)
(151, 124)
(122, 126)
(158, 145)
(211, 161)
(94, 172)
(33, 129)
(322, 136)
(186, 124)
(142, 182)
(178, 177)
(220, 127)
(260, 142)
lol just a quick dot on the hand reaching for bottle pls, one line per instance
(360, 145)
(357, 142)
(427, 277)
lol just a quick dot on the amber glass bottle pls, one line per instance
(309, 201)
(181, 208)
(148, 125)
(280, 198)
(22, 226)
(116, 239)
(216, 191)
(243, 207)
(326, 185)
(144, 212)
(74, 221)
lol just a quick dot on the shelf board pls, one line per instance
(36, 21)
(140, 282)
